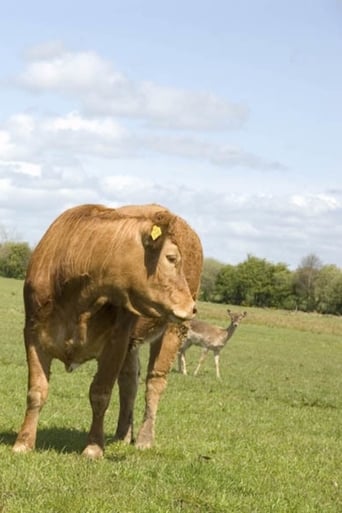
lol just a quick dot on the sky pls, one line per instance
(228, 113)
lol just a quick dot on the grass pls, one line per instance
(266, 438)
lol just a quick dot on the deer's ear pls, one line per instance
(244, 314)
(229, 311)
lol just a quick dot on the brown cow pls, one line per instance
(93, 274)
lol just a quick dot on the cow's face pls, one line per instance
(168, 282)
(163, 291)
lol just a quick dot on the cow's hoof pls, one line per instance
(20, 447)
(145, 436)
(93, 452)
(143, 443)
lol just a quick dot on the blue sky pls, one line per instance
(229, 113)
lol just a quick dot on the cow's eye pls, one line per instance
(172, 258)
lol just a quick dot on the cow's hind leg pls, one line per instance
(162, 355)
(128, 387)
(109, 365)
(39, 364)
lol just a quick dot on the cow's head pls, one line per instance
(162, 291)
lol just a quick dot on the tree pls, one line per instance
(282, 287)
(329, 290)
(305, 282)
(256, 282)
(211, 268)
(227, 287)
(255, 277)
(14, 258)
(335, 305)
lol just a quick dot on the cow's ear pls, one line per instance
(154, 238)
(159, 228)
(163, 218)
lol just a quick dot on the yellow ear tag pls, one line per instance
(156, 232)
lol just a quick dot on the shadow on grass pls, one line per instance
(61, 440)
(65, 441)
(7, 437)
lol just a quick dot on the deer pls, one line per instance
(210, 338)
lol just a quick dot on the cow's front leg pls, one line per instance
(109, 365)
(162, 355)
(128, 387)
(39, 364)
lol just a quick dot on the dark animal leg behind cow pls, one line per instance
(162, 355)
(109, 365)
(128, 386)
(39, 364)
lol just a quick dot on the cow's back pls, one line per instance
(69, 234)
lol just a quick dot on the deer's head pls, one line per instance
(236, 317)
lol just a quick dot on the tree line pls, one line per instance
(258, 282)
(253, 282)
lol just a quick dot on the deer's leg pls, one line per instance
(128, 387)
(109, 365)
(182, 362)
(183, 348)
(162, 355)
(217, 364)
(201, 360)
(39, 364)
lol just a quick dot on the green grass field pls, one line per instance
(266, 438)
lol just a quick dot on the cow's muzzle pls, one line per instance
(180, 315)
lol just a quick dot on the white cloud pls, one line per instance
(242, 229)
(20, 168)
(176, 108)
(231, 225)
(102, 90)
(101, 93)
(222, 155)
(40, 139)
(112, 185)
(71, 72)
(73, 122)
(5, 144)
(110, 147)
(21, 125)
(313, 204)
